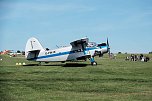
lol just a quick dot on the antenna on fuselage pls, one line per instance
(57, 46)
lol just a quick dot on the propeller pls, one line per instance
(108, 47)
(100, 53)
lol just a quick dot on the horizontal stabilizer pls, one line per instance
(32, 55)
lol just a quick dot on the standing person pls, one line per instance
(135, 57)
(141, 56)
(132, 57)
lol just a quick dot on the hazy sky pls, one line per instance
(127, 23)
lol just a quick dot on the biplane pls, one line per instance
(80, 49)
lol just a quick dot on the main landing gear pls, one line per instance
(93, 62)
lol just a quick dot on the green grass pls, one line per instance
(116, 80)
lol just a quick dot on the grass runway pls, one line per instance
(110, 80)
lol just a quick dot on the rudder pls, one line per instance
(32, 49)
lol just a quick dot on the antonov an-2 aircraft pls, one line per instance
(80, 49)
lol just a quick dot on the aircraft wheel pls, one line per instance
(93, 63)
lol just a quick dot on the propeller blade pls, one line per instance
(107, 42)
(108, 47)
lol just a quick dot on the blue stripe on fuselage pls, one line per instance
(64, 53)
(54, 55)
(90, 48)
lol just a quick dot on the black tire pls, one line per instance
(94, 63)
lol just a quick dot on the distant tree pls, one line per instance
(119, 52)
(150, 52)
(18, 51)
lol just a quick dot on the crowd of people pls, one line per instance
(134, 57)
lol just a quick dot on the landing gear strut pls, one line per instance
(93, 62)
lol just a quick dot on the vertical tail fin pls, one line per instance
(32, 49)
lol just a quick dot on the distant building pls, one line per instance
(5, 52)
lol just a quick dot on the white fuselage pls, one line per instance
(60, 54)
(66, 53)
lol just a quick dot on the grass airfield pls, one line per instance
(110, 80)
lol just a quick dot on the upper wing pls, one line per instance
(81, 42)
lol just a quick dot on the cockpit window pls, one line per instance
(91, 44)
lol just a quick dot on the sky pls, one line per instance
(126, 23)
